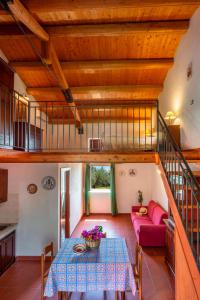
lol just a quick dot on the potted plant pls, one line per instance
(93, 237)
(140, 197)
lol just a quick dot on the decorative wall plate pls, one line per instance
(48, 183)
(122, 173)
(132, 172)
(32, 188)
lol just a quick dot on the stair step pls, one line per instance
(195, 173)
(194, 229)
(189, 206)
(182, 187)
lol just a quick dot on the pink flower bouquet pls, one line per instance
(93, 237)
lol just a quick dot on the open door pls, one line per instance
(65, 204)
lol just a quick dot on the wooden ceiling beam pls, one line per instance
(62, 81)
(148, 102)
(14, 156)
(109, 30)
(24, 16)
(102, 65)
(94, 120)
(124, 92)
(106, 30)
(56, 66)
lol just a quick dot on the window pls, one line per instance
(95, 144)
(100, 177)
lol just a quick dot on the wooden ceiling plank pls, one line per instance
(37, 6)
(84, 12)
(23, 15)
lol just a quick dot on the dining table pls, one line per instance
(107, 268)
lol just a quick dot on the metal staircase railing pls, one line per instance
(184, 186)
(52, 127)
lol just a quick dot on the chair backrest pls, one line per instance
(138, 269)
(48, 249)
(137, 251)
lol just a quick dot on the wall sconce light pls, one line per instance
(170, 116)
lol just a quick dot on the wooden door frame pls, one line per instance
(67, 207)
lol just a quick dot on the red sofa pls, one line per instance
(150, 228)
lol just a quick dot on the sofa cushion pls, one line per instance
(134, 217)
(139, 222)
(158, 215)
(150, 208)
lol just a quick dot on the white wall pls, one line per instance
(178, 92)
(38, 213)
(127, 187)
(100, 202)
(76, 192)
(147, 179)
(9, 210)
(158, 190)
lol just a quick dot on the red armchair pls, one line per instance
(150, 228)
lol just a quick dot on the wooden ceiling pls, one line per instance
(109, 51)
(97, 11)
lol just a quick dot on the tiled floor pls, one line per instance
(22, 280)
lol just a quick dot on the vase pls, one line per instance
(92, 244)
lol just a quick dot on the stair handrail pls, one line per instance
(178, 150)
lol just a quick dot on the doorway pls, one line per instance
(64, 204)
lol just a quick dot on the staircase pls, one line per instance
(184, 185)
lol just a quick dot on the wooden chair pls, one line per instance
(44, 269)
(137, 270)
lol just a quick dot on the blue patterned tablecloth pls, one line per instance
(107, 268)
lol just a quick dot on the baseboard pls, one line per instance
(105, 214)
(98, 214)
(30, 258)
